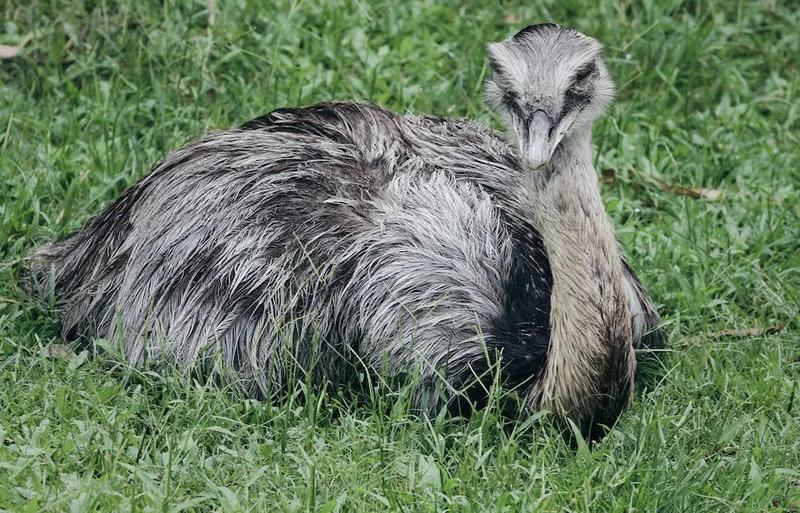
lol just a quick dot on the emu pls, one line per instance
(343, 236)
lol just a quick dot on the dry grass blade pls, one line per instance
(212, 12)
(737, 333)
(8, 52)
(58, 351)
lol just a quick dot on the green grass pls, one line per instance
(707, 98)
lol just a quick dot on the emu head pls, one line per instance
(548, 82)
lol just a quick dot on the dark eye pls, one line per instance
(495, 67)
(510, 102)
(509, 99)
(584, 72)
(574, 100)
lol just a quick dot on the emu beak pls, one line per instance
(541, 141)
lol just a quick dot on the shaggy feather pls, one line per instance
(342, 235)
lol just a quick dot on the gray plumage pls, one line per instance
(343, 236)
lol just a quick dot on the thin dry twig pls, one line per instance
(692, 192)
(737, 333)
(610, 176)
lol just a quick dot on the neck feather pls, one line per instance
(590, 358)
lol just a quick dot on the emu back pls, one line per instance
(327, 239)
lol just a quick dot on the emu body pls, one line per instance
(343, 236)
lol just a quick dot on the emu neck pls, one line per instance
(590, 357)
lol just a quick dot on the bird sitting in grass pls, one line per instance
(314, 243)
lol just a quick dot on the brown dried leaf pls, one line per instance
(609, 175)
(511, 19)
(612, 176)
(8, 52)
(740, 333)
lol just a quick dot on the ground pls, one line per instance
(706, 107)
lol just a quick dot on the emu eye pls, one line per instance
(585, 72)
(576, 99)
(510, 102)
(495, 67)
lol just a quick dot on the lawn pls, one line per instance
(700, 159)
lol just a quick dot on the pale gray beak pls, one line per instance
(540, 141)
